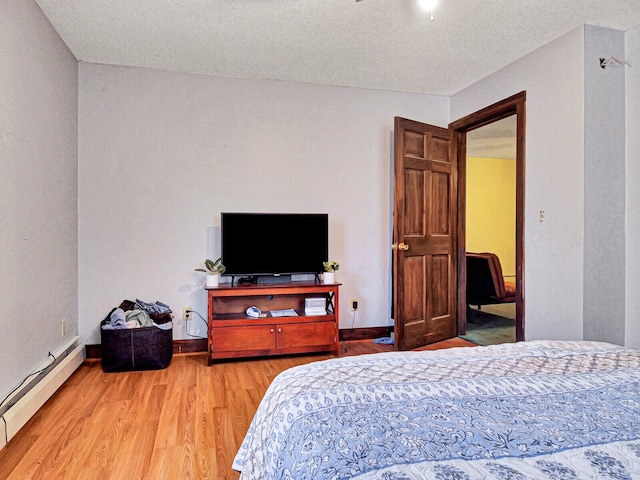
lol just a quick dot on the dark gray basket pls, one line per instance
(129, 349)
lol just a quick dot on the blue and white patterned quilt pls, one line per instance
(530, 410)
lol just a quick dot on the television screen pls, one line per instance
(274, 243)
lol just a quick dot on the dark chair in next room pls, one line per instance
(485, 283)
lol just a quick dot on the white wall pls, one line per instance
(38, 191)
(553, 77)
(604, 200)
(161, 154)
(632, 281)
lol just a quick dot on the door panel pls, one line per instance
(424, 232)
(439, 207)
(415, 291)
(439, 286)
(414, 216)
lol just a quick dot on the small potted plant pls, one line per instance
(213, 271)
(330, 269)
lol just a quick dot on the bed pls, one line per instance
(529, 410)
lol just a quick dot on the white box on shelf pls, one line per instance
(315, 302)
(315, 306)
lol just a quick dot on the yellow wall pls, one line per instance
(491, 209)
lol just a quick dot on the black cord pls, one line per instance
(353, 322)
(27, 377)
(186, 327)
(203, 319)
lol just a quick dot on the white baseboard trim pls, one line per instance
(22, 410)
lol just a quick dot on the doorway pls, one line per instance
(491, 228)
(511, 107)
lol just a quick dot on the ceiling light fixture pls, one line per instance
(427, 5)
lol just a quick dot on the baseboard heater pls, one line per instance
(26, 401)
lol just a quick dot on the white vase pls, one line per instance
(329, 277)
(212, 280)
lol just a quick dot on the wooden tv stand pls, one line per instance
(233, 334)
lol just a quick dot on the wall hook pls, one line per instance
(606, 61)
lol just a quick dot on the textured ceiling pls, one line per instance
(496, 140)
(377, 44)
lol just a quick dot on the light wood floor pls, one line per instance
(184, 422)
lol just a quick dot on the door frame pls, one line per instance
(514, 105)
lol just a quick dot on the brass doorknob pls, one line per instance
(403, 247)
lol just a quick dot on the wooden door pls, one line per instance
(424, 233)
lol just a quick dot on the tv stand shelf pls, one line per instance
(233, 334)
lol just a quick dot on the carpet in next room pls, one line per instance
(492, 325)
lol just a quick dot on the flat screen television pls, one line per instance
(274, 244)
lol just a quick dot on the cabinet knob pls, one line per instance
(272, 330)
(279, 330)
